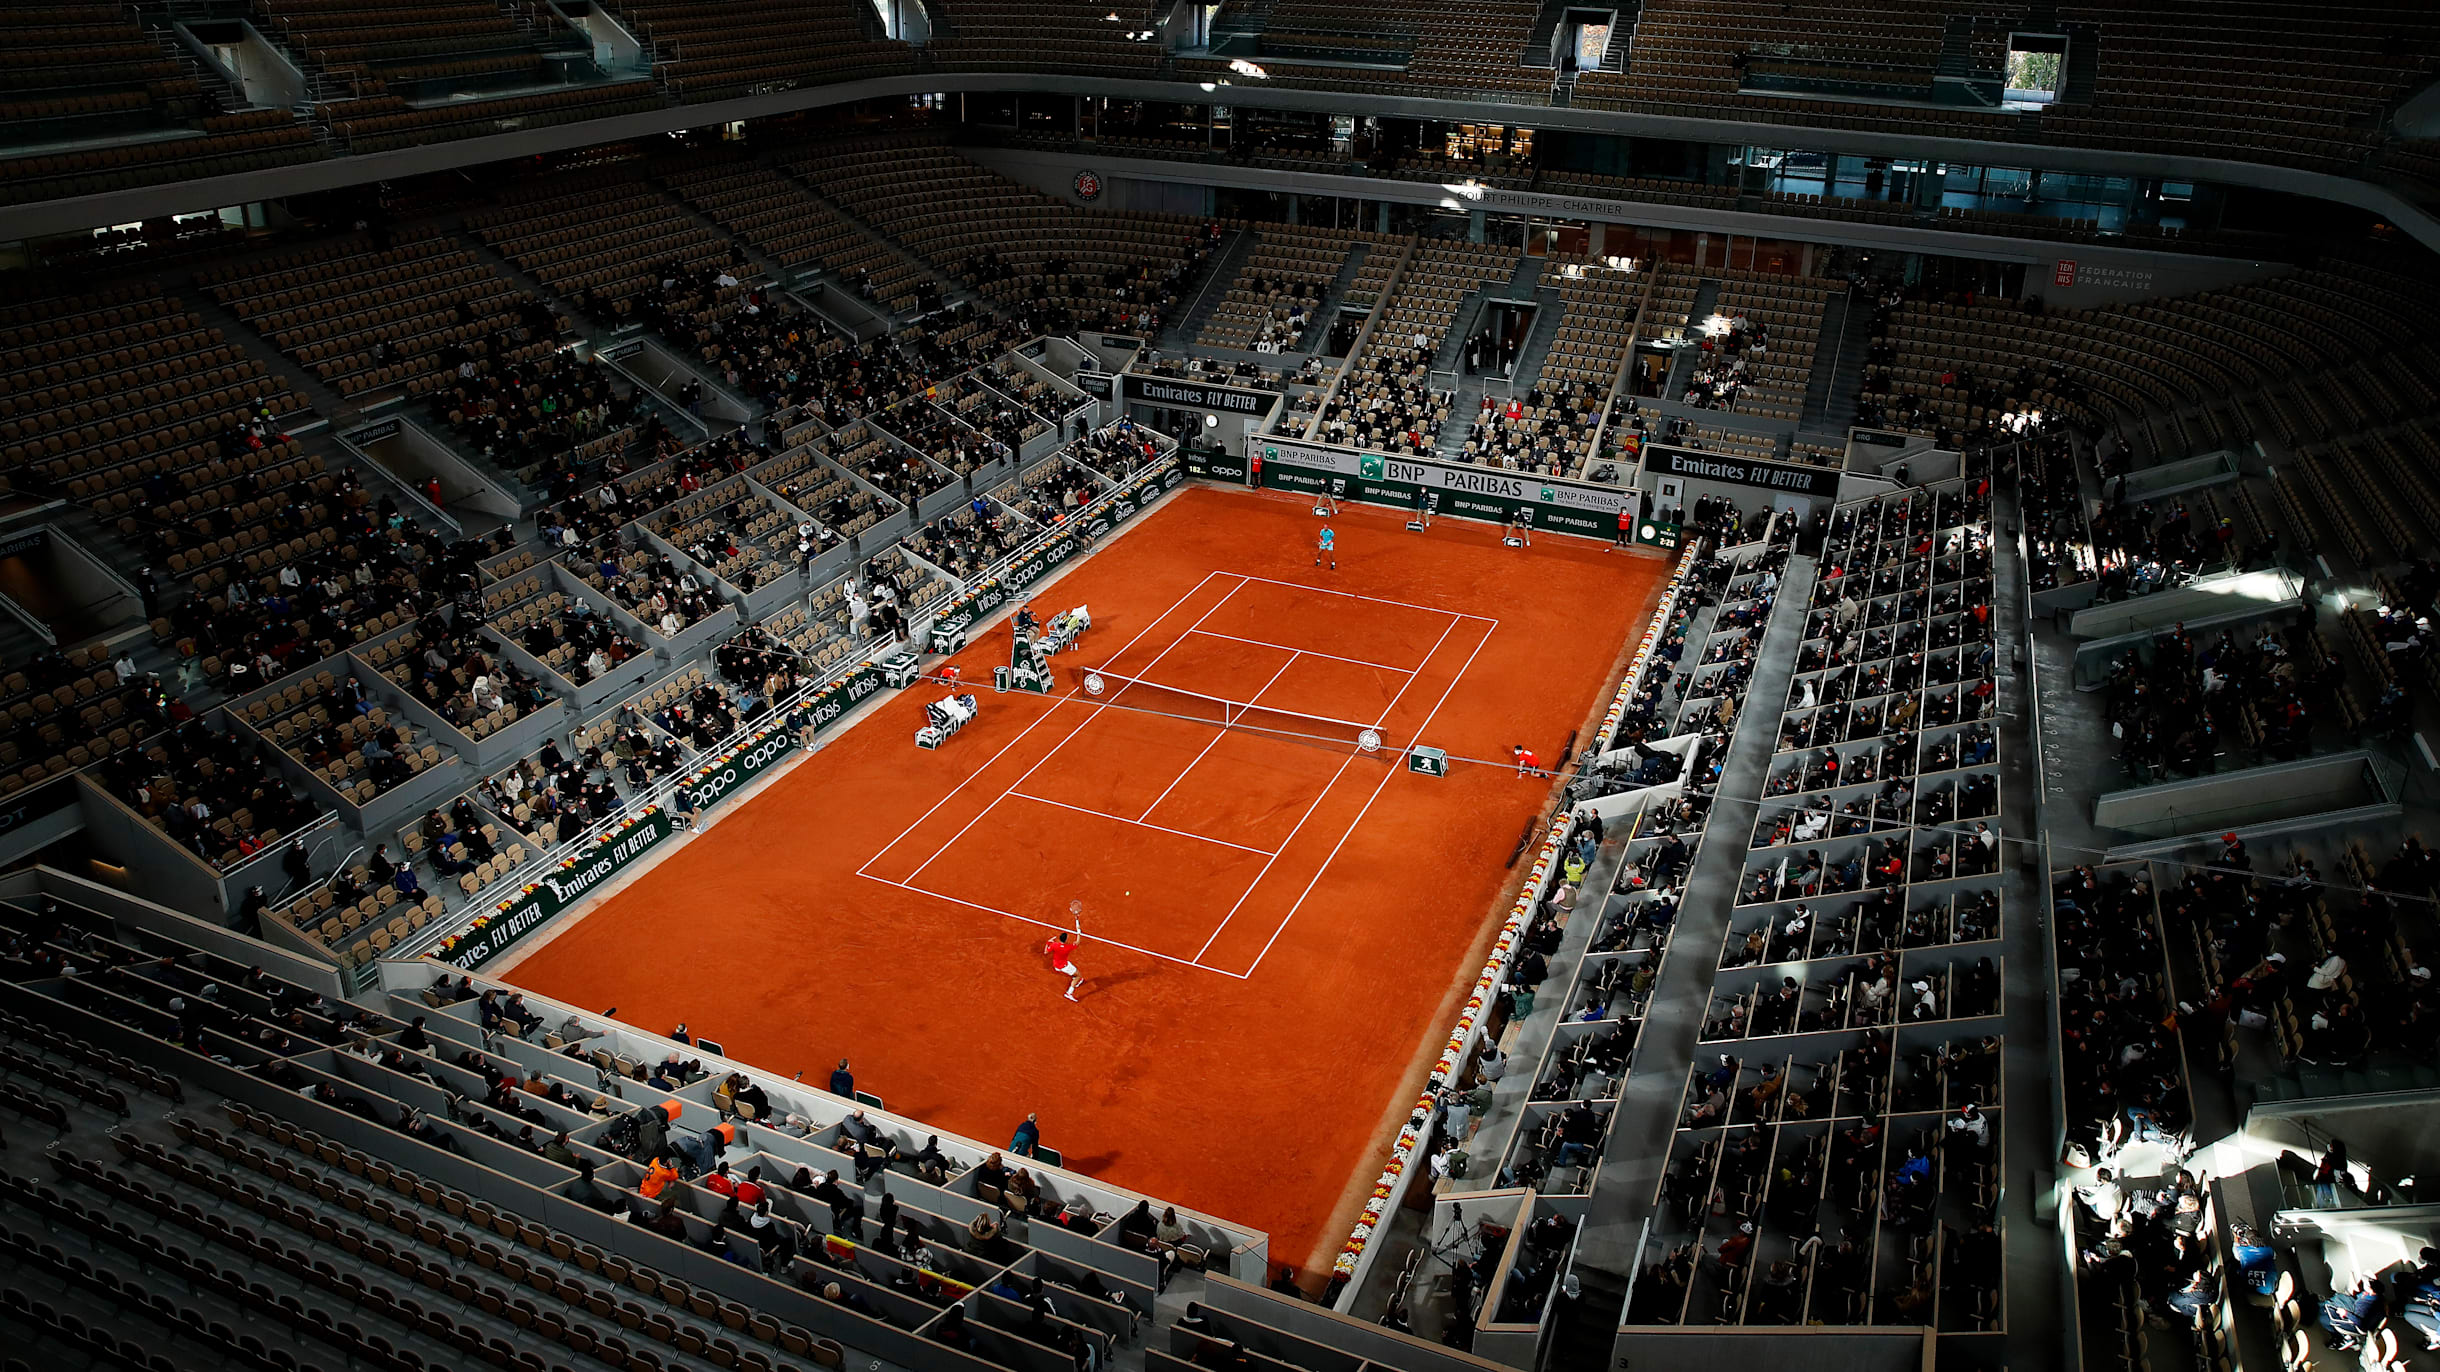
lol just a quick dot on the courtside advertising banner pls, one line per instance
(1215, 465)
(611, 850)
(576, 876)
(1051, 552)
(1486, 493)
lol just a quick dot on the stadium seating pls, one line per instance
(307, 633)
(2123, 362)
(795, 228)
(1041, 35)
(365, 1159)
(1710, 57)
(1861, 907)
(731, 531)
(1385, 399)
(1118, 269)
(380, 123)
(714, 49)
(1289, 272)
(364, 317)
(606, 245)
(67, 711)
(1791, 310)
(90, 68)
(120, 108)
(127, 391)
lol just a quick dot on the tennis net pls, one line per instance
(1106, 687)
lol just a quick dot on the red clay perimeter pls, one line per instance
(1278, 929)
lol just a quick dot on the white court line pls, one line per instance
(1368, 804)
(1046, 714)
(952, 792)
(1122, 819)
(1217, 735)
(1351, 595)
(1090, 716)
(1056, 928)
(1317, 803)
(1308, 652)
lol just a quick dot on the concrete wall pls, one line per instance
(1306, 1320)
(245, 59)
(613, 46)
(150, 864)
(2234, 800)
(401, 448)
(236, 945)
(855, 318)
(665, 373)
(2391, 1134)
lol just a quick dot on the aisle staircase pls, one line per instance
(952, 290)
(1545, 331)
(1837, 381)
(1207, 288)
(1318, 337)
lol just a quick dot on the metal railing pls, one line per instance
(29, 619)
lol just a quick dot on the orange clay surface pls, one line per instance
(1278, 929)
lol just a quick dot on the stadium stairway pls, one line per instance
(952, 290)
(1545, 30)
(1706, 296)
(775, 276)
(1241, 18)
(336, 413)
(2026, 1054)
(1464, 402)
(1538, 339)
(1208, 289)
(1467, 396)
(323, 400)
(1838, 378)
(1318, 337)
(1648, 1110)
(1622, 36)
(1587, 1328)
(1526, 277)
(1469, 313)
(2083, 74)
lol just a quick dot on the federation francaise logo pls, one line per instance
(1088, 185)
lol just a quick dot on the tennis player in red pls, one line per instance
(1062, 949)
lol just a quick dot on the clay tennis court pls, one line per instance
(1280, 924)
